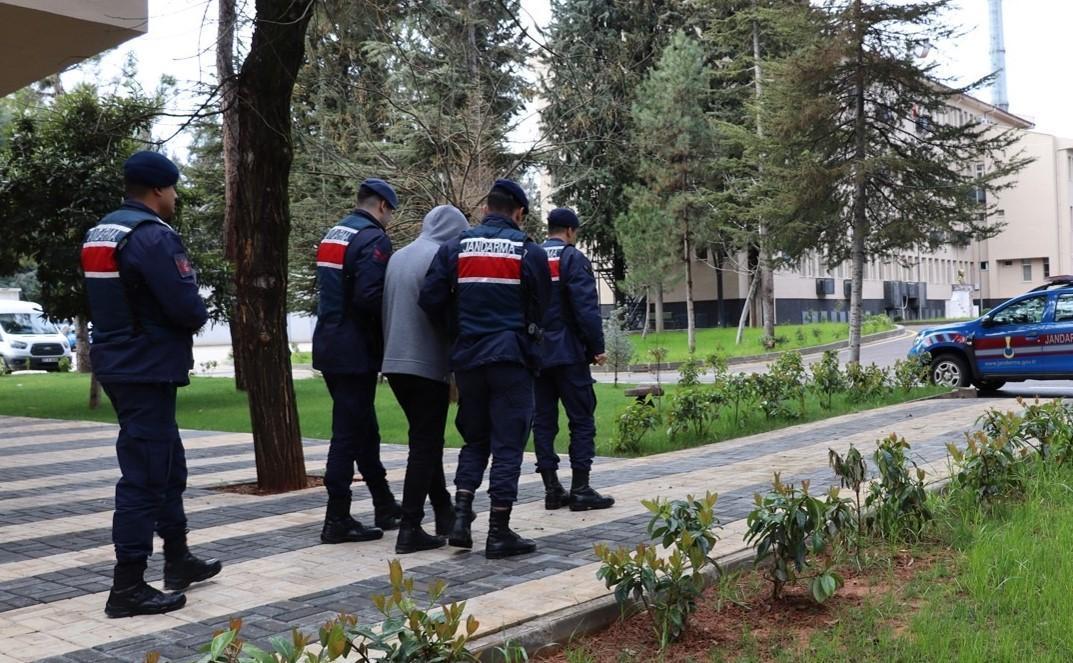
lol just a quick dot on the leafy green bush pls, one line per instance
(64, 365)
(333, 638)
(633, 422)
(782, 387)
(899, 502)
(617, 342)
(912, 372)
(1051, 425)
(988, 468)
(876, 322)
(693, 407)
(827, 378)
(738, 389)
(788, 526)
(668, 586)
(690, 372)
(852, 473)
(866, 383)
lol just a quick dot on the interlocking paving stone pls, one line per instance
(565, 539)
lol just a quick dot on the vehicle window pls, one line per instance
(1063, 309)
(1025, 312)
(25, 323)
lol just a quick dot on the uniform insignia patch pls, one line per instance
(182, 263)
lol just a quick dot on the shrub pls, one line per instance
(1051, 424)
(690, 372)
(633, 422)
(898, 501)
(827, 378)
(668, 587)
(817, 334)
(413, 631)
(693, 407)
(875, 322)
(866, 383)
(988, 467)
(739, 389)
(852, 473)
(788, 526)
(912, 372)
(64, 365)
(657, 356)
(784, 381)
(228, 647)
(799, 334)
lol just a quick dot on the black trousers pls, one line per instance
(425, 403)
(355, 433)
(152, 463)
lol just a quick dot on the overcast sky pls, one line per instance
(181, 33)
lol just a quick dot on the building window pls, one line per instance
(1046, 268)
(983, 266)
(1026, 270)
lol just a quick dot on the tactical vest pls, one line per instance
(334, 280)
(109, 304)
(490, 297)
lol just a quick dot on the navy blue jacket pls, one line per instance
(146, 311)
(494, 314)
(573, 327)
(349, 337)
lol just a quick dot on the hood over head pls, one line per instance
(443, 223)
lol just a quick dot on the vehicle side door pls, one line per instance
(1056, 338)
(1008, 342)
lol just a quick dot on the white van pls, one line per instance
(28, 340)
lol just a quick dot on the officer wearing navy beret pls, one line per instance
(489, 289)
(573, 339)
(348, 348)
(145, 307)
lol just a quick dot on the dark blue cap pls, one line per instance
(150, 169)
(382, 189)
(563, 217)
(514, 191)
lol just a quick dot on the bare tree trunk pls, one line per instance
(659, 309)
(225, 77)
(860, 218)
(691, 323)
(260, 218)
(753, 283)
(648, 316)
(85, 365)
(767, 278)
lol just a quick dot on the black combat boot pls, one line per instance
(583, 497)
(502, 541)
(386, 510)
(340, 526)
(131, 595)
(460, 536)
(181, 568)
(412, 538)
(445, 519)
(555, 496)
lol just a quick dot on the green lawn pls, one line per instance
(1002, 596)
(213, 404)
(721, 340)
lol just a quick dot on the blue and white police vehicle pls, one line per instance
(1029, 337)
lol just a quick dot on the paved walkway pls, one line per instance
(56, 485)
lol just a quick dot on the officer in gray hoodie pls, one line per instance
(416, 366)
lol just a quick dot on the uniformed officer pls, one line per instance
(573, 339)
(348, 348)
(145, 307)
(490, 288)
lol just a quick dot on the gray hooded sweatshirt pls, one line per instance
(412, 346)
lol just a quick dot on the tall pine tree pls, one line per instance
(870, 165)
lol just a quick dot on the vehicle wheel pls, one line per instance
(950, 371)
(989, 386)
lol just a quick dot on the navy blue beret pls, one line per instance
(382, 189)
(514, 191)
(563, 217)
(150, 169)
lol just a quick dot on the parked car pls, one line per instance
(1029, 337)
(28, 339)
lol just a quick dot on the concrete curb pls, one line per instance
(899, 330)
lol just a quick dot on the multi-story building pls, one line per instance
(1036, 242)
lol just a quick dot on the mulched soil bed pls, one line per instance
(746, 606)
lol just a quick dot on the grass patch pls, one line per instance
(302, 357)
(213, 404)
(721, 340)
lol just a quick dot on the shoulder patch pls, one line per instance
(182, 263)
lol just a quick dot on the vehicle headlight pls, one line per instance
(18, 345)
